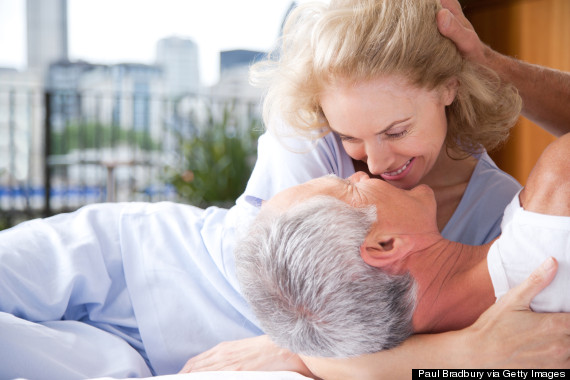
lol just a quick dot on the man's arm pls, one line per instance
(547, 190)
(545, 92)
(493, 341)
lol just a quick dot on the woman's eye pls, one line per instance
(396, 135)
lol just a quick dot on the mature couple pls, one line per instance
(337, 268)
(135, 289)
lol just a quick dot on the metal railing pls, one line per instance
(60, 150)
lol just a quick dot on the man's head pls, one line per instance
(404, 217)
(301, 266)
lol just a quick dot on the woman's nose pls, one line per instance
(379, 159)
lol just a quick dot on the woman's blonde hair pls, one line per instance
(363, 39)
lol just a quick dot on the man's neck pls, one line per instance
(453, 285)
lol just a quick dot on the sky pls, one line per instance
(113, 31)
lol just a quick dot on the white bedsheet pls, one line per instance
(229, 375)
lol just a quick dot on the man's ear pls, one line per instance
(383, 250)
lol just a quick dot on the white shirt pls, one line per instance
(527, 240)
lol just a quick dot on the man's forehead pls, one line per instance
(327, 185)
(320, 186)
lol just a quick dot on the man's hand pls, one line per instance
(453, 24)
(252, 354)
(545, 92)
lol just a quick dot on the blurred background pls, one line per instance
(148, 100)
(128, 100)
(535, 31)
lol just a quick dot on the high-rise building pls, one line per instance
(234, 75)
(47, 33)
(178, 58)
(231, 59)
(292, 6)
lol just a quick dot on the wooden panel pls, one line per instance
(535, 31)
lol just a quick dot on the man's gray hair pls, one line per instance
(303, 275)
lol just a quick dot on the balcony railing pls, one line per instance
(60, 150)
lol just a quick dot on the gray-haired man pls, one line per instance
(341, 268)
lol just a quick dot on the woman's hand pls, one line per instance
(252, 354)
(510, 335)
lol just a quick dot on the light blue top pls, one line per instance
(154, 284)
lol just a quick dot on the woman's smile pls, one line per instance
(400, 172)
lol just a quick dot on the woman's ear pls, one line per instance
(449, 91)
(381, 251)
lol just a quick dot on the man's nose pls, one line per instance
(358, 176)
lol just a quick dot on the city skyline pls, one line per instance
(128, 30)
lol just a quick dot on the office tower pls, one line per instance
(47, 33)
(178, 58)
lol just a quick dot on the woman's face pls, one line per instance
(397, 129)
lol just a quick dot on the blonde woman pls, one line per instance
(372, 85)
(400, 102)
